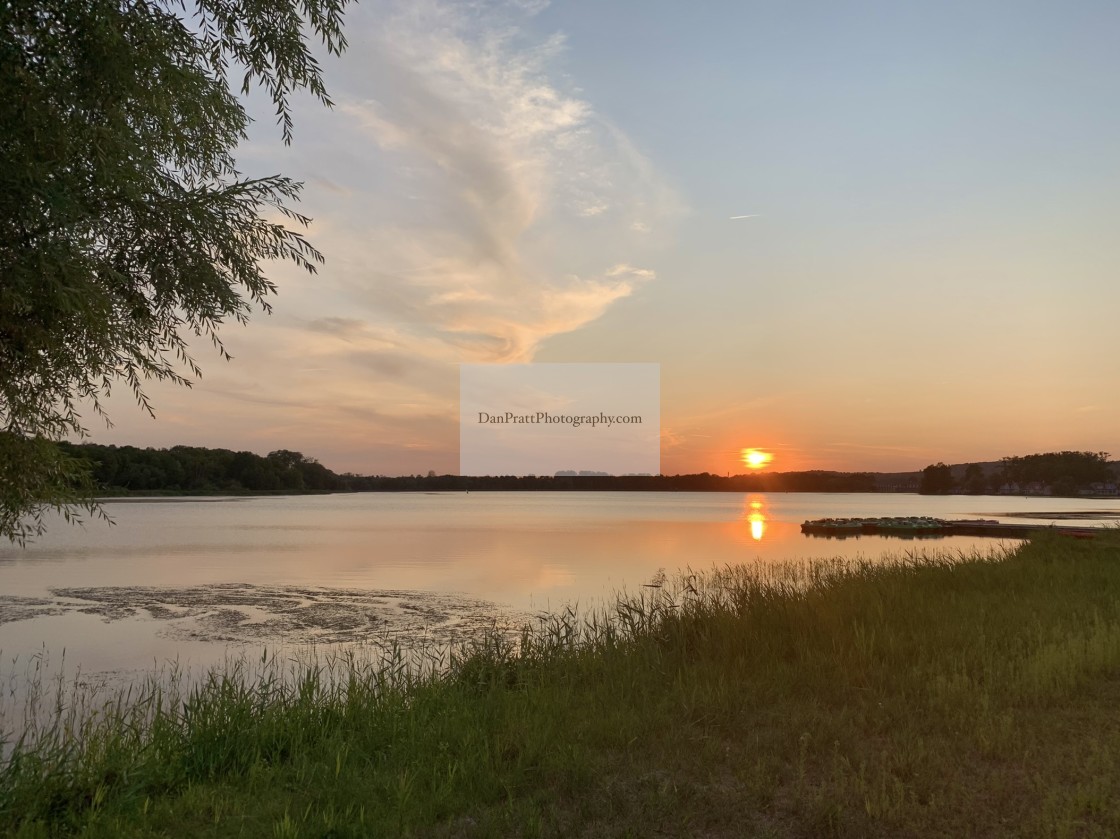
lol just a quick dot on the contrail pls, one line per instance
(752, 215)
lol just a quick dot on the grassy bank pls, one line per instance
(949, 697)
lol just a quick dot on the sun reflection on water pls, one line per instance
(755, 515)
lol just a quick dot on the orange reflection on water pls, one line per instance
(756, 516)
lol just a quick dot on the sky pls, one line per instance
(859, 235)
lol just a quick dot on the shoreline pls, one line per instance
(862, 700)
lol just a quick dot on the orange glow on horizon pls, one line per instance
(755, 458)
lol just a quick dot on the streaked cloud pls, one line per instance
(523, 189)
(470, 203)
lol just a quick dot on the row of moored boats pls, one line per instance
(890, 525)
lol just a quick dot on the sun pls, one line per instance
(755, 458)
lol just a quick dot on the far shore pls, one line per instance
(1067, 515)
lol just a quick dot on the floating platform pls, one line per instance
(917, 527)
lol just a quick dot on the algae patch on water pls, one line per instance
(245, 613)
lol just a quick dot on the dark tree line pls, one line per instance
(1065, 473)
(1057, 473)
(702, 482)
(195, 470)
(189, 469)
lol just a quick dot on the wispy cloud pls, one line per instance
(471, 204)
(751, 215)
(870, 448)
(529, 208)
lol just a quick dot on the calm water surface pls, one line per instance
(188, 579)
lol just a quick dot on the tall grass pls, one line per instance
(923, 695)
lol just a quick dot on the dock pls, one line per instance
(917, 527)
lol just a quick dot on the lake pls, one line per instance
(189, 579)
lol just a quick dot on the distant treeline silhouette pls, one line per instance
(186, 470)
(191, 469)
(1050, 473)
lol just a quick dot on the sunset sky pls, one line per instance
(860, 235)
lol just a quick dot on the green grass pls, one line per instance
(943, 696)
